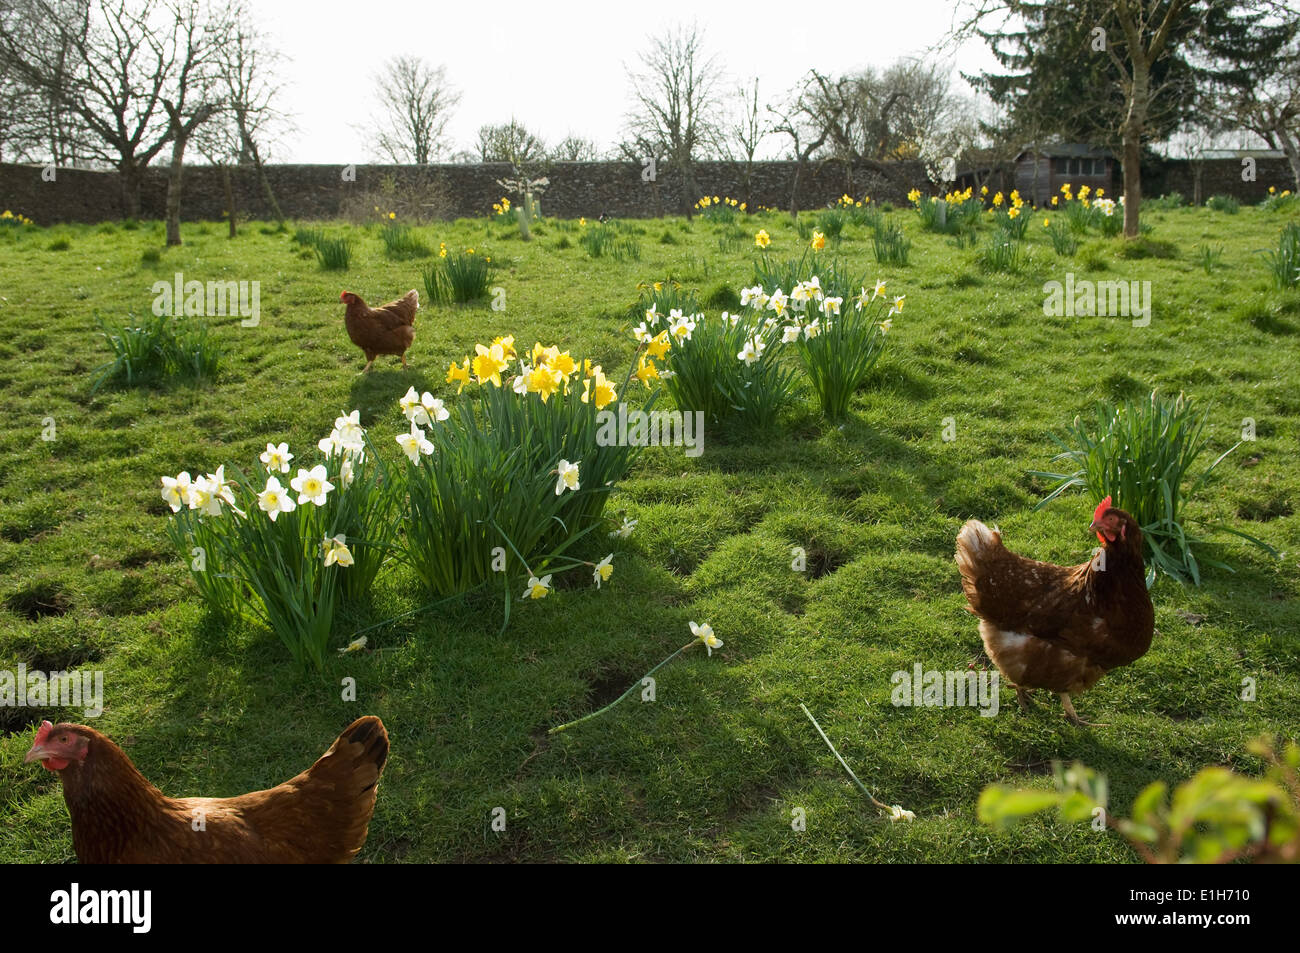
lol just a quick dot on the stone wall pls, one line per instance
(307, 192)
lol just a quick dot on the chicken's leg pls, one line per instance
(366, 369)
(1022, 697)
(403, 360)
(1072, 716)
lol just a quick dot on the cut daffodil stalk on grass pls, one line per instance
(703, 635)
(896, 812)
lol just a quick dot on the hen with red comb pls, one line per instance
(1059, 627)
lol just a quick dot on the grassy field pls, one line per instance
(712, 770)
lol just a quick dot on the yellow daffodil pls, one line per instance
(600, 389)
(356, 645)
(507, 343)
(997, 200)
(646, 371)
(658, 346)
(818, 241)
(762, 239)
(489, 363)
(456, 373)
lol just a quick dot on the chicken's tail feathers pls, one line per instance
(975, 543)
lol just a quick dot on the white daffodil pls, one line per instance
(336, 551)
(812, 329)
(770, 322)
(831, 305)
(351, 433)
(778, 302)
(641, 333)
(732, 319)
(176, 491)
(898, 305)
(346, 472)
(203, 497)
(705, 634)
(748, 295)
(223, 486)
(413, 444)
(603, 570)
(520, 385)
(681, 327)
(880, 289)
(567, 478)
(666, 374)
(864, 299)
(751, 352)
(815, 287)
(434, 409)
(652, 315)
(674, 314)
(885, 325)
(408, 402)
(274, 500)
(356, 645)
(790, 333)
(276, 458)
(624, 531)
(896, 813)
(312, 485)
(538, 588)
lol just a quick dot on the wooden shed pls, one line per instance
(1042, 170)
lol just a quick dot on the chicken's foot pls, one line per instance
(1073, 716)
(1022, 696)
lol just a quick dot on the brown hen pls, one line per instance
(389, 329)
(1059, 627)
(319, 817)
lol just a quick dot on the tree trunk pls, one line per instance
(230, 197)
(129, 176)
(266, 188)
(1131, 130)
(174, 189)
(1292, 152)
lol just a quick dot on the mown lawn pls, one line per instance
(712, 770)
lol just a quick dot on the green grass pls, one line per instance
(713, 768)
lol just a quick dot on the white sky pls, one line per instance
(560, 67)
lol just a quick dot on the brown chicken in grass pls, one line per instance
(319, 817)
(1059, 627)
(389, 329)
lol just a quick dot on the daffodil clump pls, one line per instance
(951, 213)
(284, 545)
(1009, 215)
(504, 478)
(715, 208)
(838, 335)
(727, 366)
(1090, 210)
(1276, 201)
(7, 217)
(461, 277)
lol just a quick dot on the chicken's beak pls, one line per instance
(37, 752)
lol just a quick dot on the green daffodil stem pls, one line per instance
(863, 787)
(626, 693)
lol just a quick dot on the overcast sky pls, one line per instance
(560, 67)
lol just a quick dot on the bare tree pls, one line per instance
(126, 59)
(575, 149)
(241, 132)
(510, 142)
(676, 110)
(417, 102)
(33, 125)
(1270, 109)
(744, 132)
(798, 118)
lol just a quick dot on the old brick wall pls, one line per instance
(307, 192)
(576, 189)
